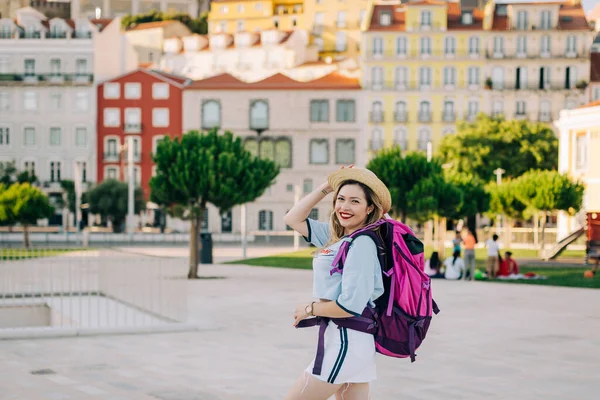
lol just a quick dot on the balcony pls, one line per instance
(520, 115)
(30, 78)
(514, 53)
(448, 116)
(376, 117)
(402, 143)
(470, 117)
(400, 116)
(375, 144)
(82, 34)
(56, 35)
(82, 78)
(552, 85)
(132, 127)
(427, 27)
(55, 78)
(424, 116)
(545, 116)
(111, 157)
(16, 79)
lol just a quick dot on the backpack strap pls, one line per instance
(340, 258)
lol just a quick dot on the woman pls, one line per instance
(349, 356)
(455, 266)
(433, 266)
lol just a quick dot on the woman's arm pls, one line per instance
(327, 309)
(296, 217)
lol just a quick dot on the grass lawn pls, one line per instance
(571, 276)
(21, 254)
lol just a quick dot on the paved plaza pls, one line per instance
(491, 341)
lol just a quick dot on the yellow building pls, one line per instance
(231, 16)
(579, 143)
(422, 67)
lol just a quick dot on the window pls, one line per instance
(344, 151)
(30, 101)
(498, 78)
(307, 186)
(211, 114)
(319, 111)
(498, 46)
(345, 110)
(314, 214)
(467, 18)
(571, 48)
(400, 111)
(401, 78)
(450, 46)
(82, 165)
(474, 45)
(425, 46)
(4, 101)
(521, 45)
(29, 136)
(160, 117)
(29, 166)
(133, 120)
(81, 66)
(424, 139)
(472, 109)
(473, 75)
(240, 25)
(112, 148)
(401, 138)
(424, 111)
(319, 151)
(4, 136)
(55, 101)
(497, 108)
(259, 115)
(340, 41)
(522, 22)
(448, 115)
(521, 78)
(424, 76)
(544, 78)
(289, 188)
(377, 46)
(401, 46)
(267, 149)
(112, 90)
(227, 222)
(265, 220)
(160, 91)
(581, 148)
(385, 18)
(29, 67)
(520, 107)
(240, 8)
(376, 111)
(224, 10)
(283, 153)
(133, 90)
(377, 77)
(596, 94)
(111, 173)
(54, 136)
(55, 171)
(570, 77)
(546, 20)
(545, 46)
(82, 101)
(55, 66)
(81, 137)
(376, 139)
(425, 18)
(112, 117)
(449, 76)
(341, 19)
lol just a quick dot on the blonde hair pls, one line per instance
(336, 229)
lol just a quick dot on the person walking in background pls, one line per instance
(470, 243)
(493, 251)
(456, 242)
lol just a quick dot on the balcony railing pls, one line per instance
(424, 116)
(418, 26)
(132, 127)
(552, 85)
(417, 86)
(46, 79)
(375, 144)
(422, 144)
(448, 116)
(112, 157)
(376, 116)
(400, 116)
(514, 53)
(470, 117)
(519, 115)
(545, 117)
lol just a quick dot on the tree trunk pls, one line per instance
(543, 241)
(441, 244)
(507, 232)
(26, 241)
(194, 247)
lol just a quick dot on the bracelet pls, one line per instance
(325, 192)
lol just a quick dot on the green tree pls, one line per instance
(516, 146)
(476, 199)
(196, 25)
(24, 204)
(9, 174)
(545, 191)
(109, 199)
(202, 168)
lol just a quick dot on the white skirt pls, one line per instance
(349, 356)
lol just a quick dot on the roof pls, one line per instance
(332, 81)
(154, 25)
(398, 22)
(428, 3)
(171, 79)
(571, 17)
(177, 78)
(594, 67)
(589, 105)
(101, 23)
(455, 18)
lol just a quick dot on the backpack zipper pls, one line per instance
(397, 247)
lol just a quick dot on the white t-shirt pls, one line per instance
(492, 248)
(453, 270)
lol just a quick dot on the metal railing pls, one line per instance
(514, 53)
(376, 116)
(132, 127)
(401, 116)
(47, 78)
(448, 116)
(77, 291)
(424, 116)
(375, 144)
(415, 85)
(112, 157)
(552, 85)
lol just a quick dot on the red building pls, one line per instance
(145, 105)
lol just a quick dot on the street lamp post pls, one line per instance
(498, 172)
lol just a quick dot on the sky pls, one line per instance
(589, 4)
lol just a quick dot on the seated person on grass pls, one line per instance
(508, 266)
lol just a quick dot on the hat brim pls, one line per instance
(366, 177)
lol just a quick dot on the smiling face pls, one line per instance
(352, 208)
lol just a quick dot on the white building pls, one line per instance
(310, 129)
(48, 96)
(249, 56)
(120, 8)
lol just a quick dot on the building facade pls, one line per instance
(308, 128)
(143, 105)
(537, 58)
(594, 76)
(148, 39)
(120, 8)
(47, 97)
(231, 16)
(579, 142)
(422, 71)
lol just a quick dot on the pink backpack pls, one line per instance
(402, 315)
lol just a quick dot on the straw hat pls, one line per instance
(364, 176)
